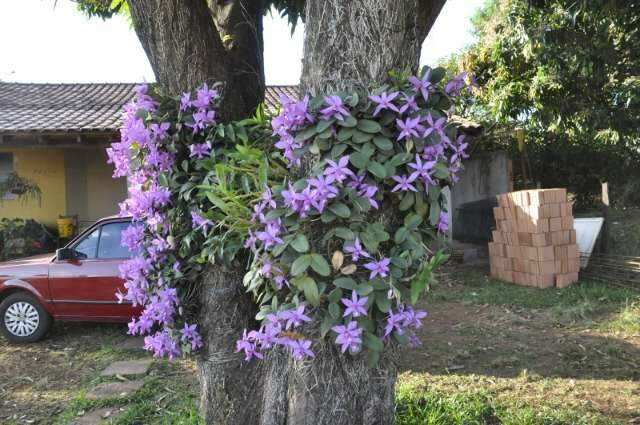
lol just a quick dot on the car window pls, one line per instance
(88, 246)
(110, 238)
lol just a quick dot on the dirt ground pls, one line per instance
(508, 350)
(491, 345)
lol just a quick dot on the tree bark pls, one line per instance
(190, 42)
(230, 388)
(357, 42)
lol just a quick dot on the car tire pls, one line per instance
(23, 319)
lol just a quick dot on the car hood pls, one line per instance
(29, 261)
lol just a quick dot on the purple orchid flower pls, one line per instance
(349, 337)
(408, 128)
(338, 171)
(197, 222)
(335, 109)
(356, 250)
(422, 84)
(404, 183)
(200, 150)
(355, 306)
(294, 318)
(443, 222)
(383, 101)
(378, 268)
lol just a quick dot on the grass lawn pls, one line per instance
(492, 353)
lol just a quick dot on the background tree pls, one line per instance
(569, 73)
(347, 45)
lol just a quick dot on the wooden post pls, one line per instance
(604, 235)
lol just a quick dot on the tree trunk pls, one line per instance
(333, 388)
(347, 44)
(357, 42)
(190, 42)
(230, 388)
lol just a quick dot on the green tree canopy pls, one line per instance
(568, 71)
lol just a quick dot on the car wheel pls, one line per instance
(23, 319)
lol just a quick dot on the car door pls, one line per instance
(85, 288)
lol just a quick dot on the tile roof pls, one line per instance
(95, 107)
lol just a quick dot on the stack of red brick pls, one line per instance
(534, 243)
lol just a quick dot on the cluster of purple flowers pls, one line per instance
(142, 156)
(405, 318)
(293, 116)
(277, 330)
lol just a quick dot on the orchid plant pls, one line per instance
(348, 244)
(324, 262)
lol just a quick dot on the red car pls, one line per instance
(78, 282)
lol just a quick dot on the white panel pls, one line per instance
(587, 231)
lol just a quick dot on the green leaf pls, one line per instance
(437, 74)
(326, 325)
(308, 287)
(327, 216)
(345, 233)
(372, 342)
(338, 150)
(373, 358)
(360, 137)
(334, 310)
(335, 295)
(349, 121)
(401, 235)
(407, 201)
(434, 213)
(320, 265)
(412, 221)
(340, 209)
(300, 265)
(359, 160)
(345, 134)
(323, 125)
(377, 169)
(345, 283)
(217, 201)
(300, 243)
(364, 289)
(369, 126)
(383, 143)
(382, 302)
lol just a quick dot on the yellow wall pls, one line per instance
(45, 166)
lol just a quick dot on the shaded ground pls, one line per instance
(492, 354)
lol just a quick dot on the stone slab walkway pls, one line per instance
(127, 367)
(114, 390)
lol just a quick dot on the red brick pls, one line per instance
(545, 253)
(572, 251)
(567, 223)
(555, 224)
(566, 279)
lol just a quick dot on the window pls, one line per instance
(110, 241)
(6, 169)
(89, 245)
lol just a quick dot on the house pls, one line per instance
(55, 135)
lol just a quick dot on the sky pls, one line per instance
(48, 41)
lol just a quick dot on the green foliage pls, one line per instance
(312, 264)
(569, 73)
(292, 10)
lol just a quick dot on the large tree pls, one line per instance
(347, 44)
